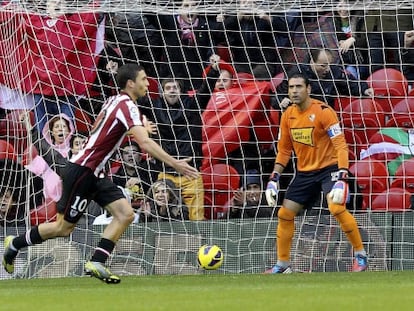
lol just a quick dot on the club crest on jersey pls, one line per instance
(302, 135)
(134, 111)
(311, 117)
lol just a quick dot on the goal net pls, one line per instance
(58, 64)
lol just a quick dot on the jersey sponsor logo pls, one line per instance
(303, 135)
(334, 130)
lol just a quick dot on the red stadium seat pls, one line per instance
(402, 114)
(341, 102)
(7, 151)
(392, 200)
(364, 117)
(355, 143)
(216, 201)
(361, 127)
(389, 85)
(221, 174)
(404, 176)
(388, 80)
(220, 180)
(364, 109)
(371, 175)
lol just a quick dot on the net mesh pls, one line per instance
(61, 57)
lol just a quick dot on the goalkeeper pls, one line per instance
(311, 129)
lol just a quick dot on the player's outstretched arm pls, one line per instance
(146, 143)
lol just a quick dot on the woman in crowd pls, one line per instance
(164, 203)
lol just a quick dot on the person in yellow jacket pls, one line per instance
(311, 129)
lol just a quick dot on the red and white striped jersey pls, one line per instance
(117, 116)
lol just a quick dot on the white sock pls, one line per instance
(361, 252)
(282, 263)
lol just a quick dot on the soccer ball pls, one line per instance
(210, 257)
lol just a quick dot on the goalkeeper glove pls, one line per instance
(340, 190)
(272, 189)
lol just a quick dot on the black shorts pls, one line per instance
(305, 188)
(80, 186)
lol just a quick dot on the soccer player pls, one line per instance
(82, 182)
(311, 129)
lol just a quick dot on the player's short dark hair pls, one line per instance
(300, 75)
(127, 72)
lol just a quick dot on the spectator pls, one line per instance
(407, 53)
(327, 80)
(53, 146)
(189, 41)
(15, 195)
(383, 40)
(48, 156)
(178, 118)
(237, 128)
(250, 201)
(104, 85)
(137, 38)
(226, 79)
(164, 202)
(348, 25)
(60, 58)
(250, 37)
(134, 173)
(77, 142)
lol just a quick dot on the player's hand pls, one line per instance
(285, 102)
(340, 190)
(150, 126)
(272, 189)
(182, 167)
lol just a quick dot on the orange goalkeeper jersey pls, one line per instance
(315, 136)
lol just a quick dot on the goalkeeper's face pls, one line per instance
(298, 91)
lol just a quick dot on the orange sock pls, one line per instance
(348, 225)
(284, 233)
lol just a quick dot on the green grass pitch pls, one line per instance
(315, 291)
